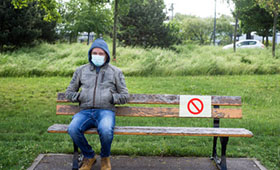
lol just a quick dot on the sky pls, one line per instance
(201, 8)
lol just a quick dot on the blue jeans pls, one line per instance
(103, 120)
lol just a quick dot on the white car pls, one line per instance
(246, 44)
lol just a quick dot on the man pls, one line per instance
(102, 86)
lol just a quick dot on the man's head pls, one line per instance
(98, 57)
(98, 52)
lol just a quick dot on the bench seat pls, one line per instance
(164, 131)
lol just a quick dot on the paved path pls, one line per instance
(64, 162)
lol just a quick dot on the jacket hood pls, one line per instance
(99, 43)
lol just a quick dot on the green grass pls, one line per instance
(63, 59)
(27, 109)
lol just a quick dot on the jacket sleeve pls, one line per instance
(122, 96)
(72, 93)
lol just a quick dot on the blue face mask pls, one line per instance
(98, 60)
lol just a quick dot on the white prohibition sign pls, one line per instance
(195, 106)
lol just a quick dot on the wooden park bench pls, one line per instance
(215, 131)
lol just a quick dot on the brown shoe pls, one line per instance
(105, 163)
(88, 163)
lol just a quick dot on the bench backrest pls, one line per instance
(217, 101)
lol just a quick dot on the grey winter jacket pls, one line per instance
(102, 90)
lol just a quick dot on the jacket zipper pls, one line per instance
(94, 92)
(102, 78)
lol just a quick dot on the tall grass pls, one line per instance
(43, 60)
(63, 59)
(196, 60)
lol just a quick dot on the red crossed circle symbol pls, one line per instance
(196, 109)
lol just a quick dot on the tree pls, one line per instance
(85, 16)
(67, 28)
(254, 18)
(196, 29)
(24, 26)
(224, 29)
(93, 17)
(251, 18)
(273, 7)
(258, 20)
(200, 30)
(144, 25)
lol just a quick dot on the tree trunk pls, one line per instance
(275, 16)
(201, 39)
(266, 41)
(115, 29)
(235, 32)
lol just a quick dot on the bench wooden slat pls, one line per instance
(168, 131)
(168, 99)
(153, 112)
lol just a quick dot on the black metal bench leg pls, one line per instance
(214, 152)
(75, 165)
(216, 125)
(223, 163)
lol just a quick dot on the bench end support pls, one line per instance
(221, 163)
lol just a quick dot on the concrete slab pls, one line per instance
(64, 162)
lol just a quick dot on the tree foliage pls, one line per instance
(256, 19)
(85, 16)
(253, 18)
(197, 29)
(272, 6)
(93, 18)
(49, 6)
(24, 26)
(144, 25)
(225, 29)
(200, 30)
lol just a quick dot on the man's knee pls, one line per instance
(73, 130)
(106, 132)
